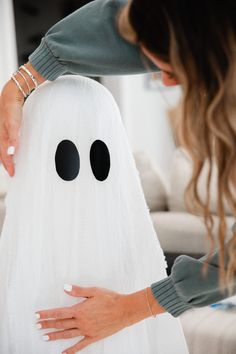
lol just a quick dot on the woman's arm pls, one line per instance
(188, 287)
(88, 42)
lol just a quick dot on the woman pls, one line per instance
(192, 44)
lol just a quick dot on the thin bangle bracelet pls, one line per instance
(150, 309)
(27, 84)
(30, 75)
(18, 85)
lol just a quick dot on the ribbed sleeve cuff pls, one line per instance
(166, 295)
(46, 63)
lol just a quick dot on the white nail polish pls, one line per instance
(38, 326)
(67, 287)
(11, 150)
(37, 316)
(45, 338)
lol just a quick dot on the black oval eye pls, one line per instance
(67, 160)
(100, 160)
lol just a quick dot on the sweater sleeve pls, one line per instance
(87, 42)
(187, 287)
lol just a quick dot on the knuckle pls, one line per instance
(53, 314)
(47, 324)
(59, 324)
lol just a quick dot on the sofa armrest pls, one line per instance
(153, 183)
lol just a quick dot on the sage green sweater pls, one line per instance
(87, 42)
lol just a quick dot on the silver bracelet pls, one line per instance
(148, 303)
(30, 75)
(18, 85)
(27, 84)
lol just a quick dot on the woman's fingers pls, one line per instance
(58, 324)
(8, 164)
(79, 346)
(60, 313)
(7, 160)
(66, 334)
(79, 291)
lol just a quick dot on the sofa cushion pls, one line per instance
(184, 233)
(209, 330)
(153, 183)
(181, 173)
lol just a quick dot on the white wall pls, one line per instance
(143, 106)
(8, 56)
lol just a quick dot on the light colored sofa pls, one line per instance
(210, 331)
(178, 231)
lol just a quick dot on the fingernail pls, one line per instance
(37, 316)
(38, 326)
(11, 150)
(45, 338)
(67, 287)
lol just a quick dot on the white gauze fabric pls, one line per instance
(83, 231)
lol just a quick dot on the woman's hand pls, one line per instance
(101, 314)
(11, 102)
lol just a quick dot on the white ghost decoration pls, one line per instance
(76, 213)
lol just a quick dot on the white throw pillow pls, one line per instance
(153, 183)
(181, 173)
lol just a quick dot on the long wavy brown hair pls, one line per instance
(198, 38)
